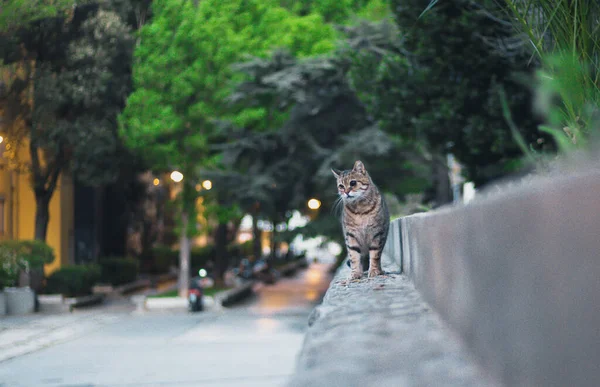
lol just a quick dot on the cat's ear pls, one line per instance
(359, 167)
(336, 173)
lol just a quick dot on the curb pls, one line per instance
(237, 294)
(126, 288)
(130, 287)
(289, 269)
(58, 303)
(76, 302)
(148, 304)
(229, 297)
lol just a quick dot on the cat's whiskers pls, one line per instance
(337, 205)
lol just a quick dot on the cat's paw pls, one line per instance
(374, 272)
(356, 275)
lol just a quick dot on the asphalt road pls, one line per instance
(254, 344)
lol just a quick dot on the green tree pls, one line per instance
(18, 13)
(327, 127)
(439, 82)
(183, 75)
(339, 11)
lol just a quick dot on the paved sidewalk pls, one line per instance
(20, 335)
(253, 344)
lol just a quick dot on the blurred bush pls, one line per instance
(10, 266)
(240, 250)
(160, 259)
(201, 256)
(22, 256)
(73, 280)
(118, 271)
(34, 254)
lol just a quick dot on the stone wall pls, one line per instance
(517, 276)
(380, 333)
(502, 291)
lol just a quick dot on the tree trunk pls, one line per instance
(276, 247)
(221, 256)
(274, 243)
(256, 238)
(42, 217)
(43, 185)
(184, 257)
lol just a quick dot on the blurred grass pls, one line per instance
(207, 292)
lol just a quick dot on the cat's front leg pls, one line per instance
(375, 251)
(356, 269)
(375, 262)
(354, 252)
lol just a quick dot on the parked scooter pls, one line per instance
(195, 295)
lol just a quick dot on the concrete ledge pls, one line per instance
(156, 303)
(76, 302)
(52, 303)
(224, 298)
(290, 269)
(56, 303)
(513, 275)
(379, 332)
(237, 294)
(517, 275)
(144, 303)
(132, 286)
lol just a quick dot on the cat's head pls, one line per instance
(353, 184)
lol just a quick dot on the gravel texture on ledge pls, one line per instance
(379, 332)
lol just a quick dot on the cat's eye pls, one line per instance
(352, 183)
(340, 186)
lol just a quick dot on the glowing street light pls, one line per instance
(314, 204)
(207, 184)
(176, 176)
(1, 139)
(156, 181)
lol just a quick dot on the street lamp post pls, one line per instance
(184, 241)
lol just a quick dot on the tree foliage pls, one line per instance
(67, 79)
(183, 76)
(445, 81)
(17, 13)
(183, 73)
(327, 127)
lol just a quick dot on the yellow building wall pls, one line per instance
(20, 207)
(60, 222)
(67, 220)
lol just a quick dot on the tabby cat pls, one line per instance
(365, 219)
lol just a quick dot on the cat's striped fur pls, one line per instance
(365, 219)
